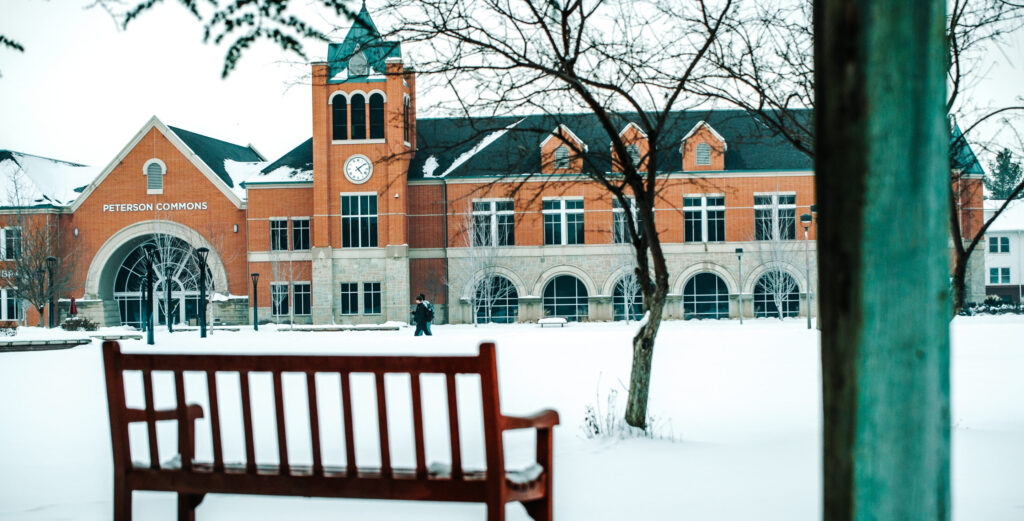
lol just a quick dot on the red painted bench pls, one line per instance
(192, 479)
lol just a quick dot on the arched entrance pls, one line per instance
(177, 269)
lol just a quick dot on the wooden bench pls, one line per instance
(552, 321)
(192, 479)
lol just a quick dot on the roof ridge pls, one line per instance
(72, 163)
(204, 136)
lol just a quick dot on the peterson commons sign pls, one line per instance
(149, 207)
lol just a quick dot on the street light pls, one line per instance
(51, 263)
(42, 289)
(805, 220)
(739, 294)
(201, 254)
(255, 302)
(152, 255)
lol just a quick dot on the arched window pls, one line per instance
(406, 126)
(177, 267)
(703, 154)
(376, 116)
(776, 294)
(154, 177)
(627, 298)
(358, 103)
(562, 157)
(357, 65)
(705, 296)
(634, 154)
(496, 300)
(565, 296)
(339, 117)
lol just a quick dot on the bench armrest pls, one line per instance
(545, 419)
(193, 412)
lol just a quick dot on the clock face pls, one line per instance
(358, 169)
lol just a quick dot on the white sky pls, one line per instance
(82, 88)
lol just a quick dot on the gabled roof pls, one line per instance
(36, 181)
(443, 141)
(1012, 218)
(961, 155)
(711, 129)
(568, 133)
(214, 152)
(363, 37)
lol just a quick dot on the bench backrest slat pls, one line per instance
(184, 424)
(350, 435)
(301, 364)
(250, 447)
(453, 427)
(282, 441)
(147, 389)
(382, 426)
(417, 425)
(218, 452)
(314, 423)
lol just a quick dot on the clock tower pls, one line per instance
(364, 132)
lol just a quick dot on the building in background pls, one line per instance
(1004, 244)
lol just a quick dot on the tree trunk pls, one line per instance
(959, 282)
(882, 158)
(643, 354)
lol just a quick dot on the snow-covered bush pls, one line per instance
(78, 323)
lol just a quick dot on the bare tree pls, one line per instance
(774, 234)
(478, 264)
(628, 285)
(763, 63)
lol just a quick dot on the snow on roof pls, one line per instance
(33, 180)
(242, 170)
(429, 166)
(487, 140)
(282, 174)
(1012, 218)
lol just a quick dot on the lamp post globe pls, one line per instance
(201, 254)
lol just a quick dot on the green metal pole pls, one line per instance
(882, 177)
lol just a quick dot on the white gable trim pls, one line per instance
(634, 125)
(155, 122)
(725, 146)
(567, 132)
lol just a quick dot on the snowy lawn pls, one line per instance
(737, 409)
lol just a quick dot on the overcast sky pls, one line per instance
(82, 88)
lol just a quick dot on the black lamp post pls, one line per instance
(201, 254)
(42, 289)
(152, 255)
(255, 302)
(51, 264)
(739, 293)
(805, 220)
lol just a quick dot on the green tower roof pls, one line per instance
(361, 55)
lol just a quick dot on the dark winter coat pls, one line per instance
(420, 315)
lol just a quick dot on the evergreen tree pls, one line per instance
(1006, 175)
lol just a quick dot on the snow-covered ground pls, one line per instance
(737, 409)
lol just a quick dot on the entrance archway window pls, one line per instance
(627, 298)
(358, 103)
(776, 294)
(376, 116)
(496, 300)
(566, 296)
(154, 171)
(705, 296)
(177, 268)
(339, 118)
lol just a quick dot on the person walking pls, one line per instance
(422, 316)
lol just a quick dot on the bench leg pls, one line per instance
(122, 502)
(187, 504)
(539, 509)
(495, 512)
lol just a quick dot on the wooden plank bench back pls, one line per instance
(191, 479)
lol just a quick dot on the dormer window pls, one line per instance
(154, 170)
(703, 154)
(562, 157)
(634, 155)
(357, 66)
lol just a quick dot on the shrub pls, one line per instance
(78, 323)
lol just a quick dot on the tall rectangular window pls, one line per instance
(300, 234)
(1004, 275)
(279, 298)
(349, 298)
(563, 221)
(359, 221)
(620, 225)
(12, 243)
(704, 218)
(774, 217)
(12, 308)
(301, 291)
(371, 298)
(406, 127)
(278, 234)
(493, 223)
